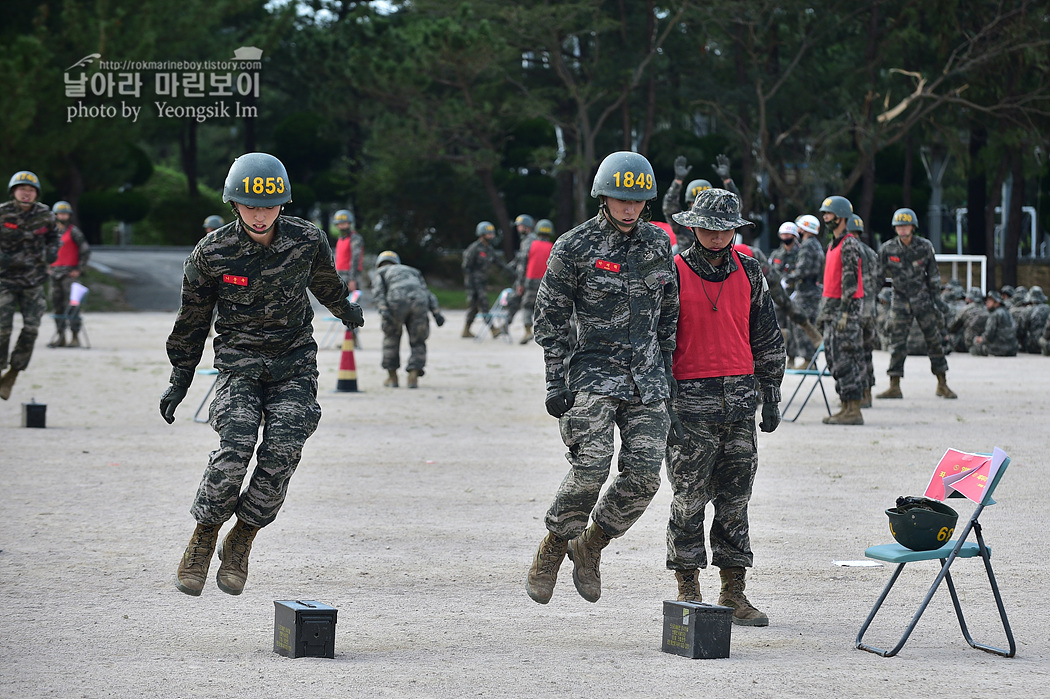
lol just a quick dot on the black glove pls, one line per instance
(439, 318)
(681, 167)
(559, 398)
(170, 400)
(770, 417)
(721, 166)
(676, 433)
(357, 317)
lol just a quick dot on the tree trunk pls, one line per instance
(867, 199)
(995, 199)
(503, 221)
(1012, 235)
(188, 153)
(977, 196)
(909, 162)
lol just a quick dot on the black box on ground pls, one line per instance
(697, 630)
(304, 629)
(34, 414)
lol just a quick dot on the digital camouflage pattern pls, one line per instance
(871, 274)
(806, 279)
(516, 300)
(999, 338)
(403, 300)
(844, 349)
(1038, 312)
(968, 324)
(29, 242)
(62, 282)
(477, 258)
(916, 280)
(30, 302)
(672, 204)
(782, 260)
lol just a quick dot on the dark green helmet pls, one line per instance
(921, 524)
(24, 177)
(855, 224)
(62, 207)
(839, 206)
(694, 188)
(625, 175)
(343, 216)
(214, 222)
(485, 228)
(388, 257)
(525, 220)
(545, 227)
(257, 179)
(905, 217)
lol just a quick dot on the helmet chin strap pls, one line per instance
(245, 226)
(645, 215)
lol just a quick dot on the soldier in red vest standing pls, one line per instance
(72, 260)
(729, 353)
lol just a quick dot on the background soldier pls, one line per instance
(532, 271)
(871, 273)
(672, 202)
(970, 321)
(999, 338)
(782, 260)
(728, 350)
(28, 244)
(840, 312)
(72, 259)
(255, 273)
(616, 274)
(477, 258)
(403, 300)
(349, 250)
(213, 223)
(806, 277)
(1035, 320)
(524, 225)
(911, 264)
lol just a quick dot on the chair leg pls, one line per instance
(986, 557)
(203, 402)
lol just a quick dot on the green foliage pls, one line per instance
(175, 218)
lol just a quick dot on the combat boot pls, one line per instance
(413, 378)
(545, 564)
(59, 341)
(942, 387)
(193, 568)
(688, 586)
(894, 391)
(466, 332)
(528, 335)
(233, 571)
(8, 382)
(732, 595)
(865, 400)
(391, 378)
(585, 552)
(74, 341)
(850, 415)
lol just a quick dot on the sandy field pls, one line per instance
(416, 515)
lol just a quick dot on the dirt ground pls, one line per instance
(416, 515)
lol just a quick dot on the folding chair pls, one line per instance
(206, 372)
(496, 318)
(815, 370)
(895, 553)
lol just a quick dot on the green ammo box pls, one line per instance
(697, 630)
(304, 629)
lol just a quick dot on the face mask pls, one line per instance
(713, 255)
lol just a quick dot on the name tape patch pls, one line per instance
(231, 279)
(607, 266)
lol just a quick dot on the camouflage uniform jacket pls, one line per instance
(29, 242)
(522, 257)
(477, 258)
(401, 284)
(734, 398)
(78, 238)
(1000, 336)
(263, 321)
(671, 206)
(913, 271)
(832, 308)
(871, 273)
(622, 291)
(809, 265)
(783, 260)
(970, 321)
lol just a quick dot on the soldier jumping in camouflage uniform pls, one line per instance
(73, 255)
(729, 352)
(403, 300)
(910, 263)
(999, 338)
(28, 244)
(254, 272)
(477, 258)
(615, 272)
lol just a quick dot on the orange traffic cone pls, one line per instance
(347, 381)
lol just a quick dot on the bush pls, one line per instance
(176, 218)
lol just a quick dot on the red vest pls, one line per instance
(833, 273)
(343, 254)
(69, 252)
(709, 342)
(539, 253)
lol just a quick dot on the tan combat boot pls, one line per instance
(865, 400)
(585, 552)
(60, 339)
(688, 586)
(850, 415)
(413, 378)
(466, 332)
(7, 382)
(942, 387)
(74, 341)
(732, 595)
(528, 335)
(233, 571)
(193, 568)
(894, 391)
(545, 564)
(391, 378)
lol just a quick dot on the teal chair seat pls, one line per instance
(895, 553)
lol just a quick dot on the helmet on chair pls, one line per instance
(921, 524)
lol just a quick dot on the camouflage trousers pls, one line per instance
(477, 301)
(29, 301)
(901, 314)
(514, 303)
(411, 315)
(808, 302)
(717, 464)
(61, 285)
(528, 300)
(845, 354)
(789, 331)
(288, 412)
(870, 338)
(587, 430)
(989, 349)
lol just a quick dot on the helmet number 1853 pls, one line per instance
(269, 185)
(642, 180)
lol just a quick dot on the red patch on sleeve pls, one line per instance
(894, 259)
(231, 279)
(8, 224)
(607, 266)
(40, 231)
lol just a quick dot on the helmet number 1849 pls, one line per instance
(641, 180)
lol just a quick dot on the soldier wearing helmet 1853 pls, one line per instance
(254, 273)
(911, 264)
(840, 311)
(616, 274)
(28, 244)
(729, 354)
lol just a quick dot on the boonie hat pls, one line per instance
(715, 210)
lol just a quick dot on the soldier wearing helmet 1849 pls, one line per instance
(616, 274)
(477, 258)
(253, 273)
(28, 244)
(910, 263)
(73, 255)
(840, 311)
